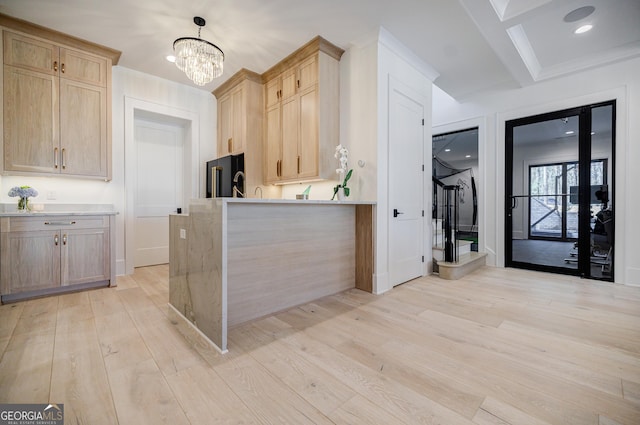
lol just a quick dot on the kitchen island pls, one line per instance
(234, 260)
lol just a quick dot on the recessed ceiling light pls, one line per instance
(579, 13)
(467, 156)
(447, 150)
(593, 132)
(171, 58)
(583, 29)
(569, 132)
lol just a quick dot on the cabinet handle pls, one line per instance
(62, 69)
(55, 66)
(280, 94)
(64, 164)
(298, 82)
(59, 223)
(278, 173)
(56, 240)
(64, 239)
(230, 144)
(55, 158)
(298, 164)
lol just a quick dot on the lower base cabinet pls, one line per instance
(45, 255)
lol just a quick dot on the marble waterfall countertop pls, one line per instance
(11, 210)
(232, 260)
(295, 201)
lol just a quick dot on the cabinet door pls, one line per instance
(308, 144)
(237, 121)
(289, 84)
(273, 145)
(29, 53)
(272, 92)
(307, 73)
(30, 121)
(83, 67)
(84, 256)
(225, 124)
(290, 136)
(30, 261)
(83, 129)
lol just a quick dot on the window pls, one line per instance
(553, 211)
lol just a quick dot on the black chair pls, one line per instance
(601, 238)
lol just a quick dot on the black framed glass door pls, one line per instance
(559, 191)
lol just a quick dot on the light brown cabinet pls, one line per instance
(56, 107)
(231, 122)
(239, 112)
(50, 254)
(302, 114)
(240, 127)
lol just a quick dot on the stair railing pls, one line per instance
(446, 215)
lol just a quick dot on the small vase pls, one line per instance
(23, 205)
(340, 195)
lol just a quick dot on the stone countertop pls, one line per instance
(294, 201)
(11, 210)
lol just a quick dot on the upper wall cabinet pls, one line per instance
(240, 116)
(302, 114)
(56, 103)
(239, 112)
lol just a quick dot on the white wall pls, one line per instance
(620, 81)
(366, 70)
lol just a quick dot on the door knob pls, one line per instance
(396, 212)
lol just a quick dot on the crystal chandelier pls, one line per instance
(201, 60)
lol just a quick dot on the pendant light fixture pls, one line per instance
(201, 60)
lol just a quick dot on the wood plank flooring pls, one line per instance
(500, 346)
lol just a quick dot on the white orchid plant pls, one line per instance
(342, 155)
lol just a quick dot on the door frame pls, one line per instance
(481, 183)
(584, 156)
(190, 121)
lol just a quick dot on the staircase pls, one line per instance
(452, 258)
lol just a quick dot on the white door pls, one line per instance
(406, 158)
(158, 191)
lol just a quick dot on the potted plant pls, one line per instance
(23, 192)
(342, 190)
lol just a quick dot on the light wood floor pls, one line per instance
(497, 347)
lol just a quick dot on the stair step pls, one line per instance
(465, 265)
(464, 247)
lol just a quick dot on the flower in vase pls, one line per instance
(342, 155)
(23, 192)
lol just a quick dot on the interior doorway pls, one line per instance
(559, 191)
(136, 111)
(455, 162)
(159, 186)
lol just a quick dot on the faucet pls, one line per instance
(255, 192)
(237, 191)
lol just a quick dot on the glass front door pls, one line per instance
(559, 192)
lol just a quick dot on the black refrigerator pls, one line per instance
(221, 173)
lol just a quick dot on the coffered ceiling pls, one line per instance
(474, 45)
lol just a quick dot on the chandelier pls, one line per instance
(201, 60)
